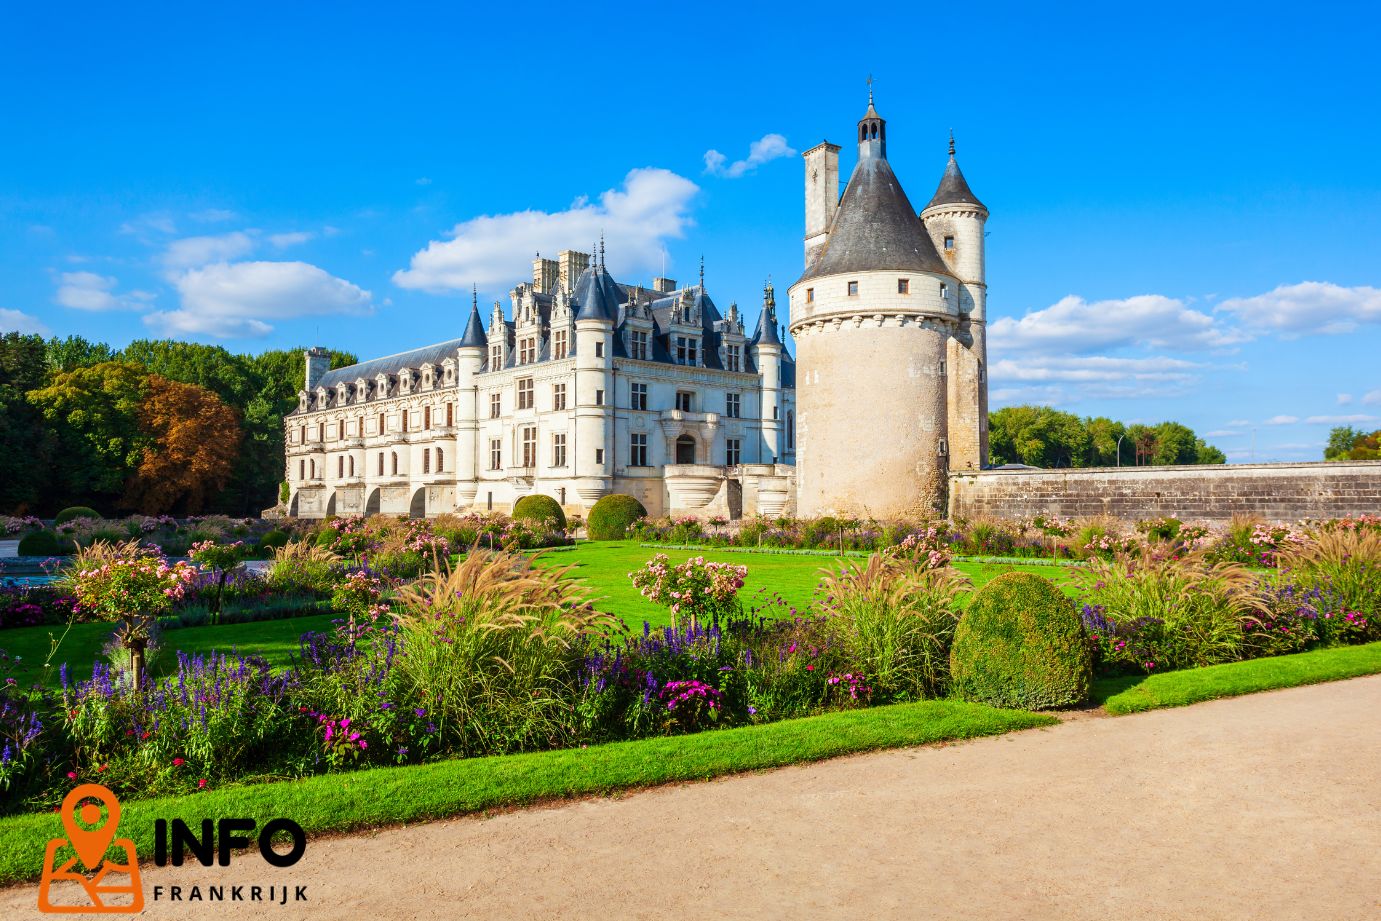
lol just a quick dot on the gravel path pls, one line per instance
(1260, 807)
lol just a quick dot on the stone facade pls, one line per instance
(889, 320)
(591, 387)
(1202, 494)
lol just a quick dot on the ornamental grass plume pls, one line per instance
(1344, 561)
(897, 617)
(1192, 612)
(494, 647)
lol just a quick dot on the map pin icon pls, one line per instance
(90, 845)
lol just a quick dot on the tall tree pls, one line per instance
(93, 413)
(76, 352)
(193, 442)
(1340, 442)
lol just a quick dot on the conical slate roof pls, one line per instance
(953, 189)
(596, 295)
(875, 228)
(474, 331)
(766, 333)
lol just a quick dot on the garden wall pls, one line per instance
(1277, 492)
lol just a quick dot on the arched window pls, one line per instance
(863, 132)
(440, 462)
(340, 467)
(352, 466)
(395, 463)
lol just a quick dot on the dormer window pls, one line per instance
(495, 357)
(637, 344)
(527, 350)
(341, 394)
(558, 344)
(733, 358)
(687, 351)
(949, 241)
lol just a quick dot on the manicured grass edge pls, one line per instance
(392, 796)
(1177, 689)
(791, 551)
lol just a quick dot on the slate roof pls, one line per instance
(474, 331)
(875, 228)
(391, 364)
(596, 295)
(953, 189)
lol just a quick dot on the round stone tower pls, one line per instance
(874, 317)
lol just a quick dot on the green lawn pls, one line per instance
(1176, 689)
(389, 796)
(275, 640)
(606, 565)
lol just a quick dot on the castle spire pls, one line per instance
(951, 143)
(702, 272)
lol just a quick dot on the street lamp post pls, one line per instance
(1119, 448)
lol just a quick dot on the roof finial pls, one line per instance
(870, 89)
(702, 271)
(601, 249)
(951, 142)
(474, 296)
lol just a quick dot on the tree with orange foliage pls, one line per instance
(194, 442)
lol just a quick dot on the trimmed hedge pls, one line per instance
(41, 543)
(611, 516)
(542, 509)
(76, 511)
(274, 539)
(1021, 644)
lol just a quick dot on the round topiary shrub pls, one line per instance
(41, 543)
(1021, 644)
(611, 516)
(274, 539)
(76, 511)
(539, 508)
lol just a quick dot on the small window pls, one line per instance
(637, 450)
(558, 344)
(495, 456)
(903, 286)
(529, 437)
(733, 451)
(599, 455)
(949, 242)
(599, 349)
(853, 289)
(440, 461)
(638, 396)
(426, 417)
(732, 405)
(426, 461)
(450, 414)
(558, 449)
(599, 397)
(810, 295)
(558, 399)
(683, 401)
(943, 448)
(495, 405)
(944, 291)
(637, 345)
(943, 370)
(525, 393)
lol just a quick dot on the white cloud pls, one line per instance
(1339, 420)
(1372, 398)
(1308, 307)
(284, 240)
(140, 226)
(764, 150)
(213, 216)
(1079, 369)
(1235, 423)
(19, 322)
(234, 301)
(423, 180)
(1282, 420)
(1223, 433)
(653, 206)
(1147, 320)
(194, 251)
(1344, 399)
(89, 291)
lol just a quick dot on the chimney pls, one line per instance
(318, 363)
(572, 264)
(822, 195)
(663, 285)
(545, 274)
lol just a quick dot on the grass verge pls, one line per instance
(1176, 689)
(391, 796)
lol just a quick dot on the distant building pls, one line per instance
(593, 387)
(889, 320)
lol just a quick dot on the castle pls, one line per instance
(596, 386)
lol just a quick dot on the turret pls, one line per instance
(318, 363)
(469, 362)
(595, 301)
(766, 349)
(955, 220)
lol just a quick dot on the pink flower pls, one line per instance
(201, 784)
(178, 762)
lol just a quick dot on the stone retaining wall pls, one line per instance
(1276, 492)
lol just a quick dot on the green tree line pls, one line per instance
(157, 427)
(1348, 443)
(1044, 437)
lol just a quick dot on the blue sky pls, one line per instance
(1186, 200)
